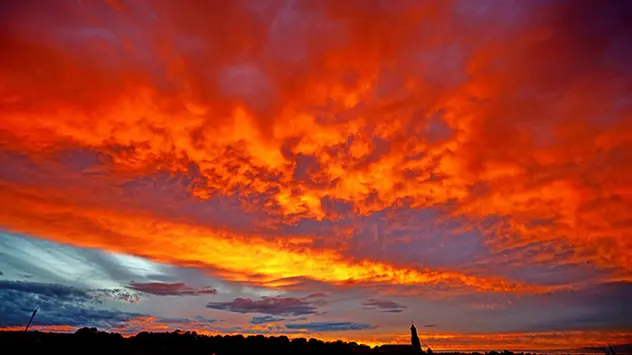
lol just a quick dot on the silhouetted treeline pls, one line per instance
(88, 341)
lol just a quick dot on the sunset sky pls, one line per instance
(329, 169)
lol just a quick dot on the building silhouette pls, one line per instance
(414, 339)
(413, 348)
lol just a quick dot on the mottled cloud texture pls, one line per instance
(269, 305)
(462, 157)
(171, 289)
(57, 304)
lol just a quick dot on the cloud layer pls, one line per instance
(328, 326)
(288, 306)
(471, 153)
(384, 305)
(171, 289)
(57, 305)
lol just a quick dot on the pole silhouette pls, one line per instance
(30, 320)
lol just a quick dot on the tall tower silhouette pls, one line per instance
(414, 339)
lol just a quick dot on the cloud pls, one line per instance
(430, 326)
(265, 319)
(598, 307)
(384, 305)
(195, 321)
(329, 326)
(171, 289)
(280, 306)
(128, 232)
(64, 308)
(64, 264)
(297, 146)
(114, 294)
(250, 153)
(58, 305)
(66, 293)
(56, 291)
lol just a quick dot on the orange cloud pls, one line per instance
(190, 245)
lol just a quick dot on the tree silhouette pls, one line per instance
(92, 341)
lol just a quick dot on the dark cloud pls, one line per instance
(115, 295)
(58, 305)
(329, 326)
(67, 293)
(171, 289)
(384, 305)
(265, 319)
(71, 306)
(1, 273)
(430, 326)
(44, 290)
(287, 306)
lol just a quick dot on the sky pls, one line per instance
(328, 169)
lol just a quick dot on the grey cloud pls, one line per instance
(22, 255)
(171, 289)
(115, 295)
(70, 306)
(286, 306)
(60, 292)
(329, 326)
(67, 293)
(384, 305)
(265, 319)
(58, 305)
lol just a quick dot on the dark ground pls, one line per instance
(90, 341)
